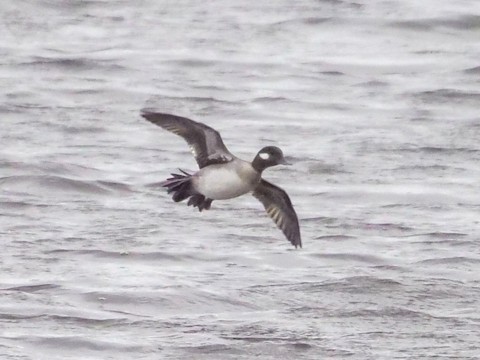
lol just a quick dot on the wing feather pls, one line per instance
(279, 207)
(205, 143)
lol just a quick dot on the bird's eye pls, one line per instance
(264, 156)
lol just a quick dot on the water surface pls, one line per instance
(375, 103)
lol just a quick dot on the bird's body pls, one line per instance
(226, 181)
(224, 176)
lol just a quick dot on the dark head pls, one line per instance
(268, 156)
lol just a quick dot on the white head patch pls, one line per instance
(264, 155)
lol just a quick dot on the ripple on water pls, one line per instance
(28, 183)
(447, 95)
(464, 22)
(473, 70)
(71, 64)
(455, 260)
(33, 288)
(78, 343)
(351, 258)
(142, 257)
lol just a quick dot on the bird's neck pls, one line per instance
(259, 164)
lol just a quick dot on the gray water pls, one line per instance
(377, 105)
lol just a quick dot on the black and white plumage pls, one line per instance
(224, 176)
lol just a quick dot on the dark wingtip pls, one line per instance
(152, 115)
(157, 118)
(147, 114)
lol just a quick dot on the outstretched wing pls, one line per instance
(206, 144)
(280, 209)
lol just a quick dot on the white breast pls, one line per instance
(226, 181)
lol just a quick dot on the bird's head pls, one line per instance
(268, 156)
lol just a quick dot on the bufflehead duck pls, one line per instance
(224, 176)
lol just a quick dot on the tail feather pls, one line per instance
(181, 187)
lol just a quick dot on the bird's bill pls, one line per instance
(283, 161)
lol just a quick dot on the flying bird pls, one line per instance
(222, 175)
